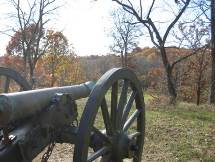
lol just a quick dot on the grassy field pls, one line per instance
(184, 133)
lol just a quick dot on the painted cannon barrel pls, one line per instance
(18, 105)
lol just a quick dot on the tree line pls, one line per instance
(191, 55)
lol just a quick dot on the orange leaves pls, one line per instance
(57, 43)
(155, 72)
(23, 39)
(66, 71)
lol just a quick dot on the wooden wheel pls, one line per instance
(123, 116)
(8, 75)
(10, 78)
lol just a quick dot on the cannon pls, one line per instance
(110, 129)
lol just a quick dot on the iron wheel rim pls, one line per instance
(95, 100)
(13, 75)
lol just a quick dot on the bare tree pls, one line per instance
(207, 9)
(195, 36)
(157, 39)
(124, 34)
(212, 91)
(31, 17)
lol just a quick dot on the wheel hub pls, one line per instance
(123, 146)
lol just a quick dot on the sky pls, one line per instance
(86, 24)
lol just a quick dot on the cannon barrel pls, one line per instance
(18, 105)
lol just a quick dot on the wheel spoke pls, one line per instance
(93, 144)
(134, 135)
(106, 117)
(101, 135)
(114, 98)
(98, 153)
(122, 102)
(6, 84)
(128, 107)
(130, 121)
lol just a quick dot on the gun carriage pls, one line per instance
(31, 120)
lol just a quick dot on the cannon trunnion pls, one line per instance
(111, 127)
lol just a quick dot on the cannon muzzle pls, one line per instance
(18, 105)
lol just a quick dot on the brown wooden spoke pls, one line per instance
(114, 98)
(128, 107)
(106, 117)
(122, 102)
(98, 153)
(131, 120)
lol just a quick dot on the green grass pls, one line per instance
(147, 98)
(177, 134)
(182, 133)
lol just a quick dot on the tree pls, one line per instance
(157, 39)
(57, 46)
(31, 18)
(195, 37)
(206, 10)
(70, 71)
(124, 34)
(212, 91)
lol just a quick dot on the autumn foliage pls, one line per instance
(60, 69)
